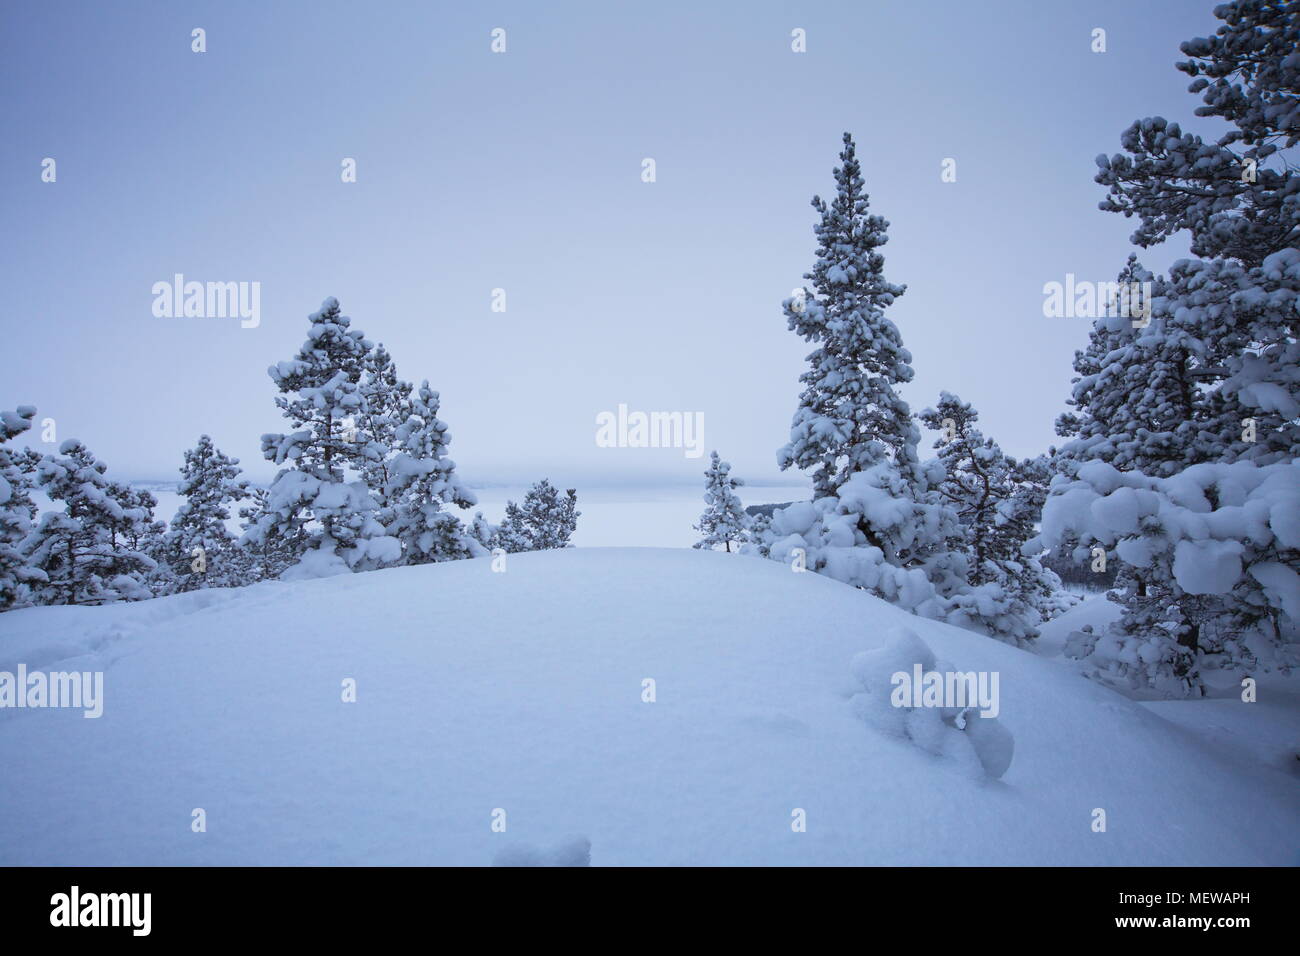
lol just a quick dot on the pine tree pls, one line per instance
(422, 482)
(1203, 404)
(1238, 199)
(874, 521)
(849, 416)
(200, 550)
(544, 521)
(724, 519)
(82, 548)
(1177, 390)
(1135, 390)
(998, 502)
(482, 531)
(17, 511)
(269, 556)
(321, 395)
(387, 407)
(1210, 574)
(142, 532)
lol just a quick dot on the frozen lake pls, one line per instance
(653, 516)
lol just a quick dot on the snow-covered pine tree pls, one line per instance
(873, 521)
(1135, 390)
(80, 548)
(760, 535)
(849, 416)
(544, 521)
(1209, 577)
(1229, 323)
(269, 556)
(568, 520)
(482, 531)
(321, 396)
(422, 483)
(724, 520)
(200, 550)
(17, 511)
(1245, 324)
(512, 534)
(998, 502)
(142, 532)
(388, 406)
(1237, 198)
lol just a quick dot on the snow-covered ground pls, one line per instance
(523, 691)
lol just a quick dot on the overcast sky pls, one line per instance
(523, 171)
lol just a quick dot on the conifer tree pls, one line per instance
(269, 556)
(482, 531)
(544, 521)
(82, 549)
(849, 417)
(422, 483)
(17, 511)
(723, 521)
(322, 397)
(1237, 199)
(387, 407)
(997, 501)
(1201, 408)
(200, 550)
(1236, 196)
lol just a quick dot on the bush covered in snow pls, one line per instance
(979, 744)
(1209, 576)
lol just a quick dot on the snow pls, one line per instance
(317, 563)
(1207, 567)
(522, 692)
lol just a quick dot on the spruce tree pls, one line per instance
(723, 521)
(849, 417)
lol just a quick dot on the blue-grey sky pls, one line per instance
(522, 171)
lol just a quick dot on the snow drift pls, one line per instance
(521, 697)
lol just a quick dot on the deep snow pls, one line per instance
(523, 691)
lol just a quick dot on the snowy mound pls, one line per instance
(620, 706)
